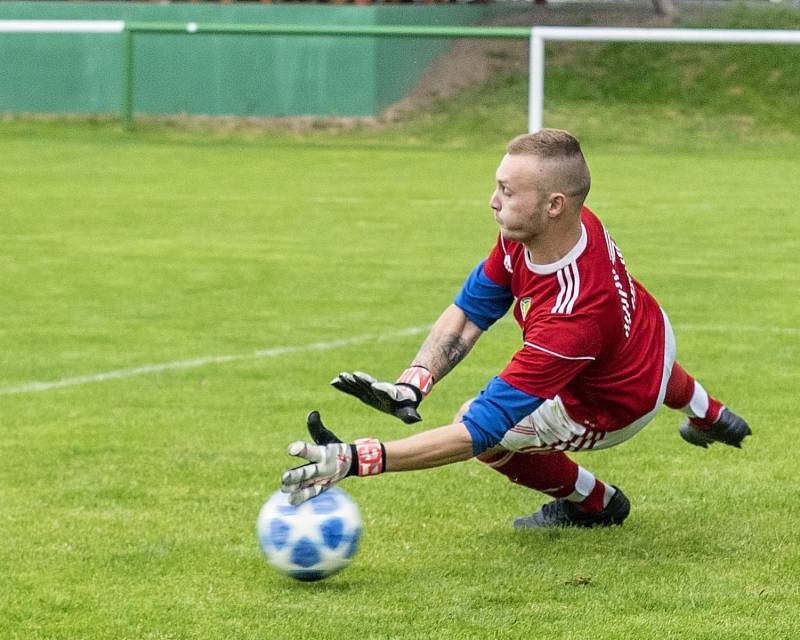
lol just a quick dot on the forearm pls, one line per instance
(449, 341)
(427, 449)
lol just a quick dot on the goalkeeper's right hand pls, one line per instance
(400, 399)
(329, 461)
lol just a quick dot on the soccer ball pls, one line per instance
(312, 541)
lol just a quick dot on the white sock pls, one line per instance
(698, 405)
(585, 484)
(609, 493)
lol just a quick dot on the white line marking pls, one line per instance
(199, 362)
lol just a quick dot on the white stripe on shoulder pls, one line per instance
(576, 287)
(610, 245)
(570, 288)
(555, 353)
(561, 288)
(565, 286)
(560, 295)
(569, 282)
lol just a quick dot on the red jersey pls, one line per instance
(591, 333)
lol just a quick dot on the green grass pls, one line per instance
(129, 506)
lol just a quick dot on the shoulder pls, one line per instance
(590, 218)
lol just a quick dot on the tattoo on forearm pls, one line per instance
(441, 352)
(454, 349)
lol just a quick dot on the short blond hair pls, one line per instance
(570, 173)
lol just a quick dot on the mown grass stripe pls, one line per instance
(272, 352)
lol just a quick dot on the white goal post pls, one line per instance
(610, 34)
(62, 26)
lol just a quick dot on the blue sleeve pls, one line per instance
(498, 408)
(483, 300)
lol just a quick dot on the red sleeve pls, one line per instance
(494, 267)
(555, 350)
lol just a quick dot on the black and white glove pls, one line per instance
(329, 461)
(400, 399)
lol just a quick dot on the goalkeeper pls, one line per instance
(595, 363)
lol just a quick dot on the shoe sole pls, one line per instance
(694, 436)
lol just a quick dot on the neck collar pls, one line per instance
(572, 255)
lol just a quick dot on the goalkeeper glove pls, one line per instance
(329, 460)
(400, 399)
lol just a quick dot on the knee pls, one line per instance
(493, 456)
(490, 456)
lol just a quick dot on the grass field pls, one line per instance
(194, 292)
(129, 505)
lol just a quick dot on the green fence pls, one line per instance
(216, 73)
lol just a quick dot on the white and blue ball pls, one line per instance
(312, 541)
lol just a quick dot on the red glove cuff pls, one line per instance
(418, 377)
(369, 457)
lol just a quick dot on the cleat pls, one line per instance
(729, 429)
(563, 513)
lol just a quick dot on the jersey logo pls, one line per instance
(524, 307)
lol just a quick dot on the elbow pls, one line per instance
(470, 331)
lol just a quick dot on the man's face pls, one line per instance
(518, 201)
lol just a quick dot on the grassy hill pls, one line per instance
(629, 93)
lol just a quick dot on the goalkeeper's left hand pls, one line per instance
(329, 460)
(400, 399)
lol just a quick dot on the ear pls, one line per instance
(556, 205)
